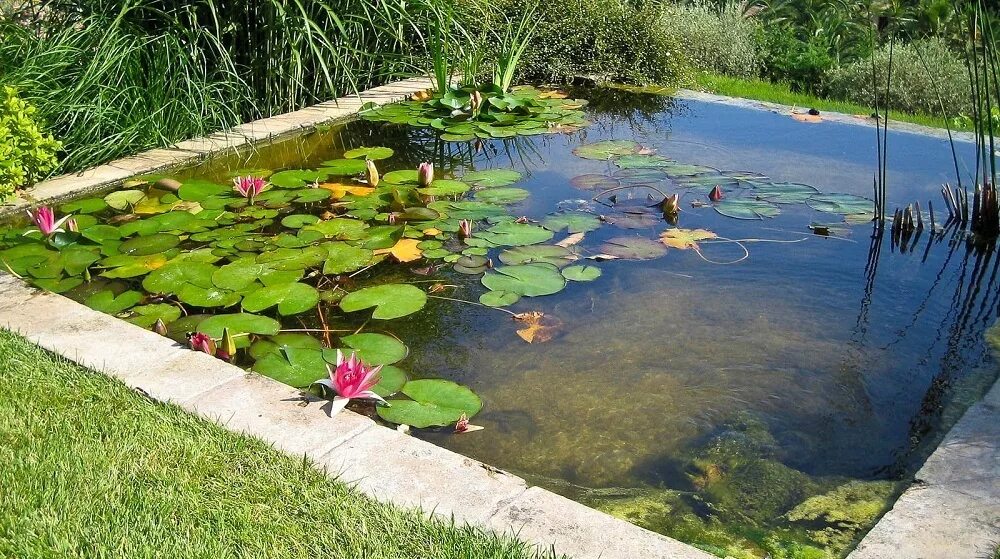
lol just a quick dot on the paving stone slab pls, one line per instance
(582, 533)
(154, 160)
(295, 423)
(409, 472)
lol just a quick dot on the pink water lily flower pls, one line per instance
(45, 219)
(202, 342)
(351, 378)
(249, 186)
(465, 228)
(425, 174)
(716, 194)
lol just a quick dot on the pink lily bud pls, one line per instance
(425, 174)
(463, 424)
(202, 342)
(372, 173)
(476, 102)
(159, 327)
(716, 194)
(465, 228)
(249, 187)
(392, 218)
(72, 226)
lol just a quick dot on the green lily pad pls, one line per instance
(607, 149)
(150, 244)
(844, 204)
(373, 153)
(499, 298)
(633, 248)
(298, 221)
(239, 325)
(84, 206)
(467, 209)
(100, 233)
(75, 259)
(509, 233)
(273, 344)
(107, 302)
(344, 258)
(299, 178)
(390, 300)
(344, 167)
(294, 366)
(375, 349)
(784, 192)
(340, 228)
(58, 285)
(401, 176)
(433, 402)
(240, 274)
(471, 264)
(390, 382)
(191, 281)
(643, 161)
(126, 266)
(742, 208)
(198, 190)
(147, 315)
(502, 195)
(490, 178)
(581, 273)
(594, 182)
(380, 236)
(293, 258)
(444, 187)
(551, 254)
(122, 199)
(573, 222)
(290, 298)
(528, 280)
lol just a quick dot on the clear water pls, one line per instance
(700, 399)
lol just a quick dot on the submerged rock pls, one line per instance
(836, 518)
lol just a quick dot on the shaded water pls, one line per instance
(828, 360)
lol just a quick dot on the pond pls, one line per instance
(755, 375)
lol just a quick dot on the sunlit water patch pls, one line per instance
(722, 375)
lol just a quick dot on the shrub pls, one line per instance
(26, 153)
(787, 59)
(721, 42)
(913, 88)
(610, 40)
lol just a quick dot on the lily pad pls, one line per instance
(390, 382)
(290, 298)
(239, 325)
(150, 244)
(84, 206)
(295, 366)
(107, 302)
(376, 349)
(490, 178)
(373, 153)
(343, 167)
(444, 187)
(685, 238)
(273, 344)
(509, 233)
(573, 222)
(343, 258)
(528, 280)
(122, 199)
(499, 298)
(742, 208)
(643, 161)
(594, 182)
(633, 248)
(298, 221)
(841, 204)
(390, 300)
(147, 315)
(581, 273)
(433, 402)
(555, 255)
(502, 195)
(784, 192)
(240, 274)
(607, 149)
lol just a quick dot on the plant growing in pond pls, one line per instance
(425, 174)
(249, 187)
(202, 342)
(44, 219)
(371, 173)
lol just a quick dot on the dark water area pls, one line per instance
(719, 399)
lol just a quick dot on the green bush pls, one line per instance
(914, 89)
(787, 59)
(609, 40)
(26, 153)
(720, 42)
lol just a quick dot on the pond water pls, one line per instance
(768, 391)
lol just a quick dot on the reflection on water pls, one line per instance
(770, 406)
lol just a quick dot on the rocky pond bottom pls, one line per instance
(754, 374)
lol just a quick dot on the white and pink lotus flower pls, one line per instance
(45, 221)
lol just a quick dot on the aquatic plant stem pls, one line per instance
(471, 303)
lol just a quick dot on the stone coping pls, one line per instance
(842, 118)
(378, 461)
(952, 510)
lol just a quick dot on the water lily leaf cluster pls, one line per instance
(486, 111)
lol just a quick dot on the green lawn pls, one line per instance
(780, 93)
(89, 468)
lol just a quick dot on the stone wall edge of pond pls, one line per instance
(827, 116)
(194, 150)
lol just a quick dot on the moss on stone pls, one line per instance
(837, 517)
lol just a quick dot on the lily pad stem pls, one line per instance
(472, 303)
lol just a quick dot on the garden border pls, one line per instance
(952, 510)
(378, 461)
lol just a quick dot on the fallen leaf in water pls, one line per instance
(405, 250)
(538, 327)
(571, 240)
(602, 257)
(438, 287)
(432, 232)
(421, 95)
(340, 189)
(685, 238)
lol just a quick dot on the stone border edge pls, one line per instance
(380, 462)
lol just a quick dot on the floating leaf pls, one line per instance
(293, 258)
(240, 274)
(841, 204)
(581, 273)
(84, 206)
(147, 315)
(555, 255)
(499, 298)
(376, 349)
(509, 233)
(405, 250)
(192, 282)
(607, 149)
(273, 344)
(344, 258)
(373, 153)
(528, 280)
(784, 192)
(150, 244)
(643, 161)
(126, 266)
(342, 228)
(298, 221)
(122, 199)
(390, 300)
(471, 264)
(573, 222)
(537, 326)
(444, 187)
(490, 178)
(107, 302)
(685, 238)
(390, 382)
(295, 366)
(401, 176)
(291, 298)
(239, 325)
(633, 248)
(595, 182)
(741, 208)
(433, 402)
(502, 195)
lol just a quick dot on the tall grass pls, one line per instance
(113, 77)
